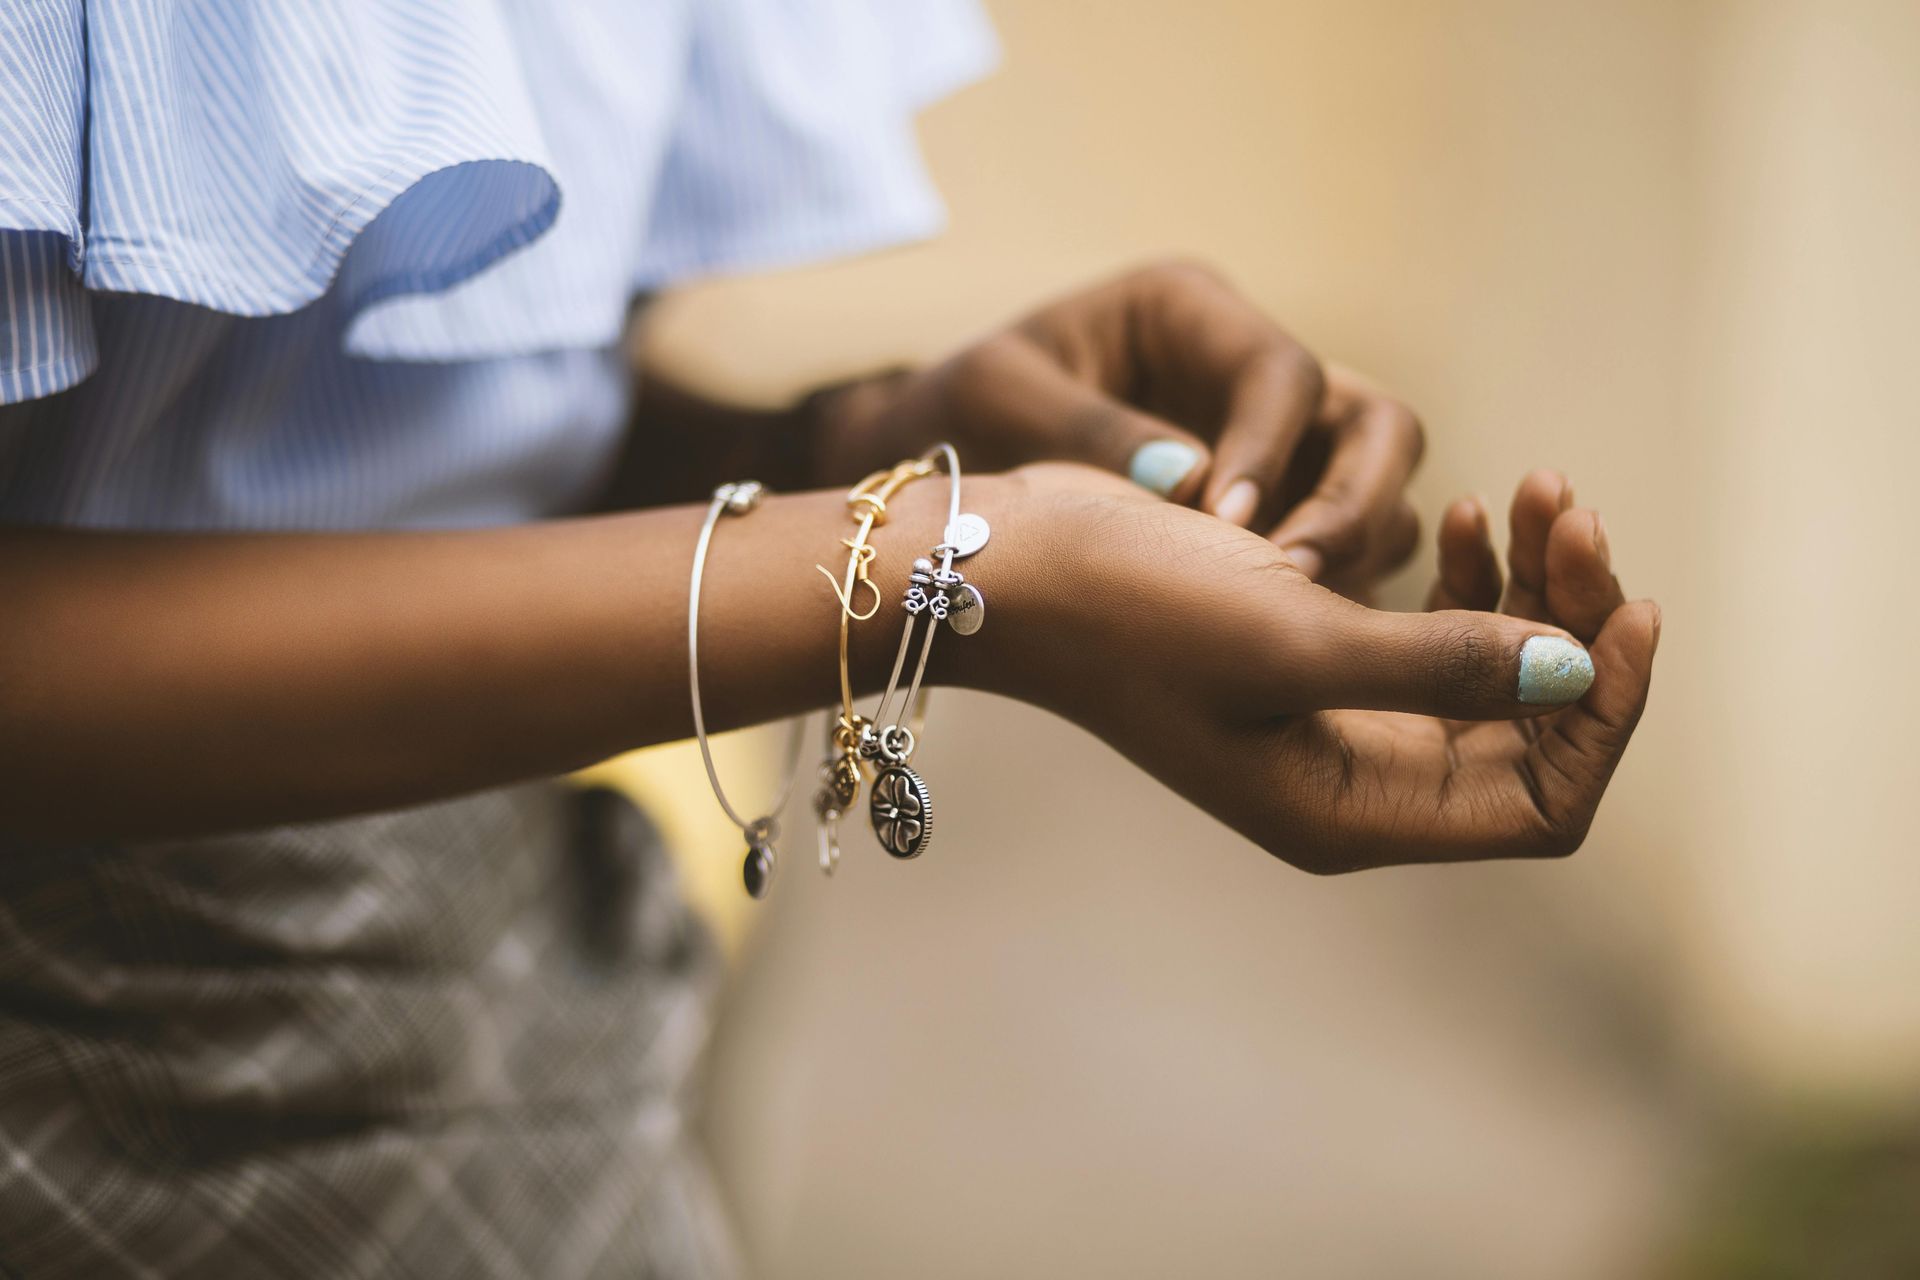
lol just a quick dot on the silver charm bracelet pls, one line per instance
(756, 872)
(901, 808)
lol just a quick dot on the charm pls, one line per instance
(839, 787)
(757, 871)
(902, 812)
(742, 496)
(945, 581)
(969, 610)
(967, 535)
(917, 583)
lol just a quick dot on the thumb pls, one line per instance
(1049, 414)
(1455, 663)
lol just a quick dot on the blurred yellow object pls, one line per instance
(670, 784)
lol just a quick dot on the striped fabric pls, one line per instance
(332, 263)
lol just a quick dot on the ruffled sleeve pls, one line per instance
(46, 326)
(248, 158)
(407, 161)
(795, 139)
(717, 135)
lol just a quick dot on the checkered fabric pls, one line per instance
(446, 1042)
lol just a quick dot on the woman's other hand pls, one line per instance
(1169, 376)
(1335, 736)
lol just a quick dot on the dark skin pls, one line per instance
(1314, 455)
(155, 685)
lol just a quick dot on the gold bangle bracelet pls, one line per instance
(840, 772)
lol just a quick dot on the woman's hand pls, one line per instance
(1335, 736)
(1169, 376)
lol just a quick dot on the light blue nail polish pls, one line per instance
(1160, 465)
(1553, 671)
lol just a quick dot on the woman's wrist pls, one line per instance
(1019, 575)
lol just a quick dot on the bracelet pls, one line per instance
(736, 499)
(901, 809)
(840, 774)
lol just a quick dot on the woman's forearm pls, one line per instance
(157, 684)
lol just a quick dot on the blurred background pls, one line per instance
(1666, 247)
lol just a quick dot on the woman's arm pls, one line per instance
(155, 685)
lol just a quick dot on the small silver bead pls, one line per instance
(741, 497)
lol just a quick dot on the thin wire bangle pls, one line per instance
(737, 499)
(840, 776)
(947, 454)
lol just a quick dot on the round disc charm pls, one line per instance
(967, 534)
(968, 611)
(902, 811)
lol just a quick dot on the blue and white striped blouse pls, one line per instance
(357, 263)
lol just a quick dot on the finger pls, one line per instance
(1582, 592)
(1469, 568)
(1374, 452)
(1537, 503)
(1274, 395)
(1533, 801)
(1391, 548)
(1331, 653)
(1026, 394)
(1566, 769)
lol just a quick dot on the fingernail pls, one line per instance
(1482, 519)
(1657, 618)
(1305, 559)
(1160, 465)
(1553, 671)
(1566, 494)
(1600, 543)
(1238, 503)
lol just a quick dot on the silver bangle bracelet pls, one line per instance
(736, 499)
(901, 808)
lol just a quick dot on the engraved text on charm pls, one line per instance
(902, 811)
(969, 610)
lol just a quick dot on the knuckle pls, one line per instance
(986, 358)
(1301, 368)
(1466, 664)
(1404, 427)
(1090, 430)
(1339, 531)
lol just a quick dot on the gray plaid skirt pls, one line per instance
(449, 1041)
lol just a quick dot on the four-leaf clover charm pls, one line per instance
(902, 811)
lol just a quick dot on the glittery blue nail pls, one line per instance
(1553, 671)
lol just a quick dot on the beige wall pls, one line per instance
(1667, 247)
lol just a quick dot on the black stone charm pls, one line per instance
(757, 872)
(902, 812)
